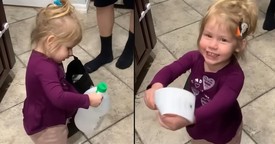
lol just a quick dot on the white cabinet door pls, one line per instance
(30, 3)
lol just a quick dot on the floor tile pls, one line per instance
(200, 6)
(77, 138)
(124, 75)
(151, 132)
(182, 40)
(24, 58)
(259, 78)
(16, 92)
(259, 118)
(156, 1)
(88, 19)
(11, 124)
(20, 35)
(18, 65)
(14, 14)
(263, 4)
(171, 15)
(121, 133)
(159, 62)
(259, 30)
(263, 46)
(246, 139)
(124, 21)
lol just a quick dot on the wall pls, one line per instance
(80, 5)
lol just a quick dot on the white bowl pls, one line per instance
(175, 101)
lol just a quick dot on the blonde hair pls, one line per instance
(59, 21)
(233, 12)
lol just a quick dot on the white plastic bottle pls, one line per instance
(87, 120)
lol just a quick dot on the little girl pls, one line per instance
(216, 77)
(50, 98)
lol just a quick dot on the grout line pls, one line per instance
(121, 25)
(24, 65)
(23, 19)
(110, 126)
(188, 141)
(88, 28)
(11, 107)
(167, 48)
(193, 8)
(262, 61)
(136, 133)
(24, 52)
(179, 27)
(127, 30)
(246, 132)
(261, 95)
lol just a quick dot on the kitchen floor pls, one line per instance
(176, 24)
(177, 27)
(117, 127)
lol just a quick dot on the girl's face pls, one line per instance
(217, 45)
(62, 52)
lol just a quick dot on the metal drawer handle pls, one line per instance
(143, 13)
(6, 26)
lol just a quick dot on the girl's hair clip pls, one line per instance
(57, 3)
(242, 28)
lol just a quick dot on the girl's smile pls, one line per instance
(217, 44)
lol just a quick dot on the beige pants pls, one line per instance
(52, 135)
(235, 140)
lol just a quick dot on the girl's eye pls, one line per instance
(208, 35)
(223, 40)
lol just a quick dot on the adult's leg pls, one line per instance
(126, 58)
(269, 23)
(105, 22)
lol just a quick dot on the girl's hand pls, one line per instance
(172, 122)
(95, 99)
(149, 97)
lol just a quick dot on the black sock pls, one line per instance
(269, 23)
(126, 58)
(105, 56)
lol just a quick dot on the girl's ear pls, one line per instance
(50, 40)
(242, 45)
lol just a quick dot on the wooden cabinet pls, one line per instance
(7, 57)
(145, 40)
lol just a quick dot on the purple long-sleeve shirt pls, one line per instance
(217, 113)
(50, 98)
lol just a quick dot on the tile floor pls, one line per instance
(117, 127)
(176, 25)
(176, 34)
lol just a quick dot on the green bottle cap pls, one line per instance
(101, 87)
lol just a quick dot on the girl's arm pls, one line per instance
(167, 75)
(172, 71)
(52, 87)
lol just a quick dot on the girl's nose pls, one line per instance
(213, 44)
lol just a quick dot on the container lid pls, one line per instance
(101, 87)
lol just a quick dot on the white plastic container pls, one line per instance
(176, 101)
(88, 120)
